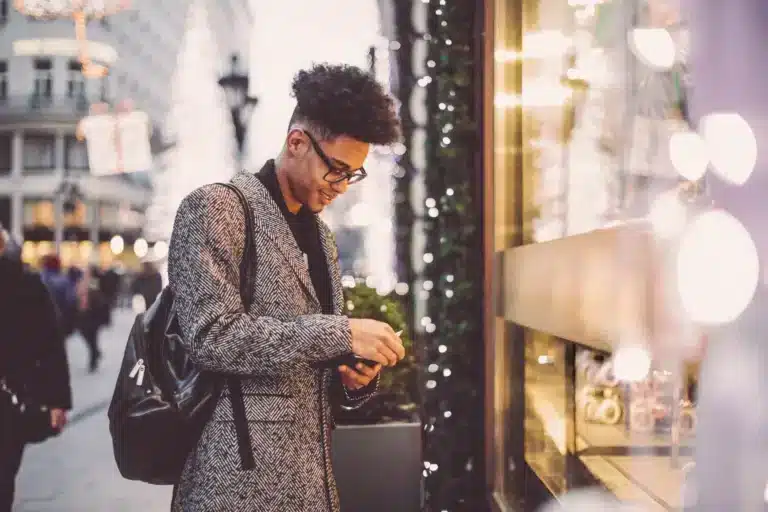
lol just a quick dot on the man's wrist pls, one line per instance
(361, 393)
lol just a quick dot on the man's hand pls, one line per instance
(58, 418)
(376, 341)
(358, 379)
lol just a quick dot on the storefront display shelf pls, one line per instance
(646, 468)
(637, 468)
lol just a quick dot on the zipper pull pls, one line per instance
(135, 368)
(140, 379)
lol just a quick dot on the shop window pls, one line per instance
(643, 430)
(76, 155)
(582, 122)
(39, 213)
(596, 119)
(546, 429)
(39, 152)
(6, 152)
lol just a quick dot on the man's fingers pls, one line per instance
(400, 350)
(358, 380)
(379, 358)
(366, 370)
(395, 344)
(388, 353)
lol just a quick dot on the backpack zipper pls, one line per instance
(138, 372)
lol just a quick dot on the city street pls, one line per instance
(76, 472)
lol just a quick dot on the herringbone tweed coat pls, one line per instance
(276, 346)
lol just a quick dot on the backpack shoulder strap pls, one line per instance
(246, 267)
(247, 276)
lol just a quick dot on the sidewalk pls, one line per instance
(76, 472)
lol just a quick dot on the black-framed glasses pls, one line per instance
(336, 174)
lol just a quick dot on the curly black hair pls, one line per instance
(345, 100)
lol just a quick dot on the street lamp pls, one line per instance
(235, 86)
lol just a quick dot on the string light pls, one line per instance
(451, 282)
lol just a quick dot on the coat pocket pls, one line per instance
(261, 407)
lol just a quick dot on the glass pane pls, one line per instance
(638, 437)
(598, 119)
(76, 153)
(39, 152)
(588, 98)
(545, 409)
(39, 212)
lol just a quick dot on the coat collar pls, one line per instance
(270, 221)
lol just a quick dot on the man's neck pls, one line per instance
(285, 189)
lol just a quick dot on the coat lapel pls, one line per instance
(270, 221)
(331, 259)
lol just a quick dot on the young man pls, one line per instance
(285, 345)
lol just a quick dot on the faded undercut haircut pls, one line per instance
(344, 100)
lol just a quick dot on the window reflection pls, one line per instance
(590, 129)
(604, 91)
(635, 436)
(545, 409)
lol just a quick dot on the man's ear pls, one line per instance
(296, 142)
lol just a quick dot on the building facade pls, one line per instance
(43, 96)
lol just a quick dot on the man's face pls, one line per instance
(322, 162)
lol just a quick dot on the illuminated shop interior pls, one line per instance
(606, 239)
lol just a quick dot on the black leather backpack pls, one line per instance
(162, 401)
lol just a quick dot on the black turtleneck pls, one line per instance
(305, 231)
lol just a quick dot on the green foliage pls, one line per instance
(452, 405)
(396, 399)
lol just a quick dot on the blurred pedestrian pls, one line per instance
(63, 292)
(34, 377)
(109, 283)
(93, 314)
(148, 283)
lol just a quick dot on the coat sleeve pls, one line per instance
(50, 385)
(203, 270)
(340, 395)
